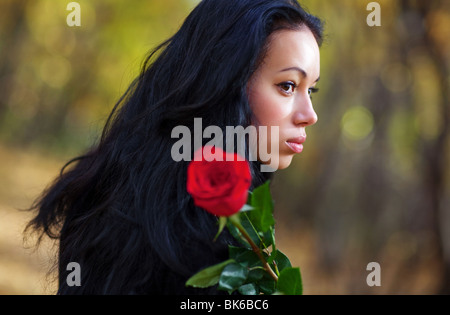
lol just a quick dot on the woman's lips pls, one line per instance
(296, 144)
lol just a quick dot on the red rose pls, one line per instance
(219, 187)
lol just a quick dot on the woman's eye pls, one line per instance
(288, 87)
(312, 90)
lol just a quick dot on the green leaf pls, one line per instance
(248, 289)
(262, 215)
(269, 238)
(245, 257)
(290, 282)
(266, 285)
(282, 261)
(245, 223)
(256, 274)
(209, 276)
(232, 277)
(246, 208)
(222, 223)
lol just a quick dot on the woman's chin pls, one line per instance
(284, 163)
(279, 162)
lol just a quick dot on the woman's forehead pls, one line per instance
(294, 49)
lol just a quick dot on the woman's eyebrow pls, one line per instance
(303, 72)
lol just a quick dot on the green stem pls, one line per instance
(255, 248)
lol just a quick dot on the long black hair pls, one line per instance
(121, 210)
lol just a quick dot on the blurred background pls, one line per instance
(373, 184)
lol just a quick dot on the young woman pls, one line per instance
(121, 211)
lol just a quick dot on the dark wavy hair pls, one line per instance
(121, 210)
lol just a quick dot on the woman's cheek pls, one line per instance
(267, 109)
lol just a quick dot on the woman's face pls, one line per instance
(279, 94)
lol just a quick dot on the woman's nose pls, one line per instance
(304, 114)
